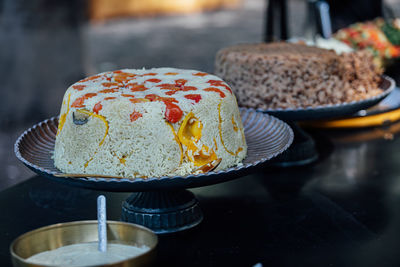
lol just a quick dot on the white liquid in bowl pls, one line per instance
(86, 254)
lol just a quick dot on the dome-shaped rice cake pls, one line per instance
(149, 123)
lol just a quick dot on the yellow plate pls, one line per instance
(358, 122)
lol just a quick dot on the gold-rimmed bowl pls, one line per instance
(64, 234)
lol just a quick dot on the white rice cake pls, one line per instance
(148, 123)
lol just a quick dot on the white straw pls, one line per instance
(101, 222)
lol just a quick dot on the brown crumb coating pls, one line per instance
(283, 75)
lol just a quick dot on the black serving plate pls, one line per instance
(266, 137)
(333, 111)
(390, 103)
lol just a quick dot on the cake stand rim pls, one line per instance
(161, 183)
(339, 109)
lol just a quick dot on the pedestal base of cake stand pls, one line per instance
(163, 211)
(302, 151)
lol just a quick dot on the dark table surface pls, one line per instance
(343, 210)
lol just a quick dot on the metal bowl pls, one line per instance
(63, 234)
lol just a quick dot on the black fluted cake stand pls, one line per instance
(162, 204)
(303, 150)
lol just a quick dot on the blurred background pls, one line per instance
(45, 46)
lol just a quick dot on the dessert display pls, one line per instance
(286, 75)
(86, 254)
(149, 123)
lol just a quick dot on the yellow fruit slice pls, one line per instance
(189, 134)
(102, 118)
(63, 117)
(204, 156)
(235, 128)
(190, 131)
(220, 133)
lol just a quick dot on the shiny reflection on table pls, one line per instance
(356, 186)
(343, 210)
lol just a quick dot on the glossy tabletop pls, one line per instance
(343, 210)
